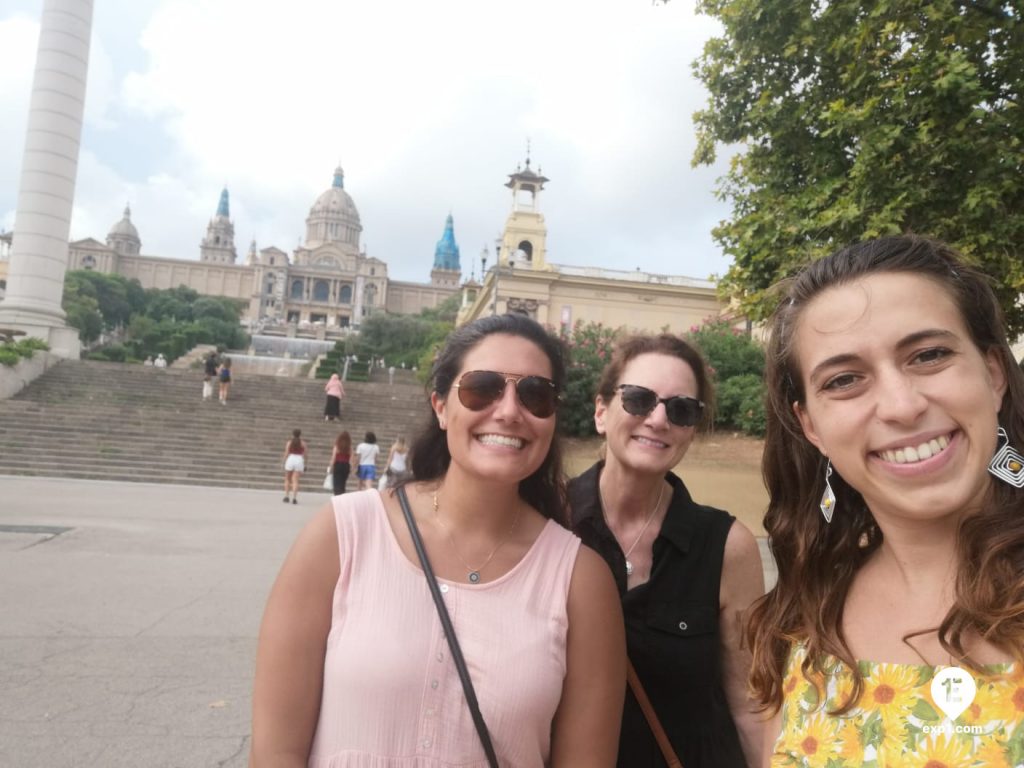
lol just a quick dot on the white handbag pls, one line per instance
(329, 481)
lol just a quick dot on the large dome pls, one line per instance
(124, 237)
(125, 228)
(333, 217)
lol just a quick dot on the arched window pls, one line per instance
(321, 290)
(369, 295)
(525, 250)
(345, 296)
(88, 262)
(296, 292)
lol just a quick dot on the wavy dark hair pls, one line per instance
(429, 457)
(817, 562)
(660, 344)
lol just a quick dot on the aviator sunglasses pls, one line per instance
(640, 401)
(480, 389)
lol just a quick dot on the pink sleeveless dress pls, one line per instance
(392, 696)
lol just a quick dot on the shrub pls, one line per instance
(13, 352)
(589, 349)
(741, 404)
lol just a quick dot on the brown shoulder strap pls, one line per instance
(652, 717)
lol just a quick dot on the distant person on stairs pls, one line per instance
(341, 458)
(225, 380)
(209, 374)
(397, 471)
(294, 465)
(160, 362)
(335, 391)
(367, 451)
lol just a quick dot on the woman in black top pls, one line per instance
(686, 573)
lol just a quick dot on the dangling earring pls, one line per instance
(1007, 464)
(828, 498)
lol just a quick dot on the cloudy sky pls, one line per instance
(427, 105)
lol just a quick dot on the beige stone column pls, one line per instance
(39, 255)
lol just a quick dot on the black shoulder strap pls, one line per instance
(449, 631)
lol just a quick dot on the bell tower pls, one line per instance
(219, 244)
(524, 241)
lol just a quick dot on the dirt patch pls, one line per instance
(722, 469)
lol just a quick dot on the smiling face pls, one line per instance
(504, 441)
(898, 396)
(648, 444)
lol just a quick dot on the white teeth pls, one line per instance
(511, 442)
(910, 454)
(647, 441)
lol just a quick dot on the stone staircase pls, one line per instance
(111, 421)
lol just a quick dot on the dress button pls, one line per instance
(683, 626)
(433, 683)
(426, 742)
(444, 588)
(440, 657)
(429, 713)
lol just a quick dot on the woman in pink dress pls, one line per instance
(353, 668)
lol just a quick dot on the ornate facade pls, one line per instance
(523, 280)
(328, 282)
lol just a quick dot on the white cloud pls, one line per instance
(427, 105)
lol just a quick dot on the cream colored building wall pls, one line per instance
(412, 298)
(235, 282)
(552, 297)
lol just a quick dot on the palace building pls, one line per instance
(328, 282)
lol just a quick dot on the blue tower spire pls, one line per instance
(222, 207)
(446, 254)
(339, 178)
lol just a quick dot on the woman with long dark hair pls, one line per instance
(895, 634)
(353, 667)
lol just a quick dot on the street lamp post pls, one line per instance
(497, 274)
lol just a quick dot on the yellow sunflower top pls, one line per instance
(896, 723)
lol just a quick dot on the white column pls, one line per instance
(39, 256)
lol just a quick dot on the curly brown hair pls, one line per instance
(817, 562)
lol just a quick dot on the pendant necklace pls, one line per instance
(474, 573)
(647, 522)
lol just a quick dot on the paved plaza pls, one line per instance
(129, 619)
(128, 639)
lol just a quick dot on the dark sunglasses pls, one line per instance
(480, 389)
(640, 401)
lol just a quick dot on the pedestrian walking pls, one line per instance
(367, 452)
(341, 458)
(294, 465)
(397, 468)
(225, 380)
(209, 374)
(335, 391)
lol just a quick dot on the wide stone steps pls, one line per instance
(126, 422)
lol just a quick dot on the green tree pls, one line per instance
(590, 348)
(857, 120)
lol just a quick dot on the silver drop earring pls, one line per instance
(828, 498)
(1007, 464)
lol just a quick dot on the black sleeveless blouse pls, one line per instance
(672, 629)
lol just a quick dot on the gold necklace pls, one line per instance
(474, 573)
(647, 522)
